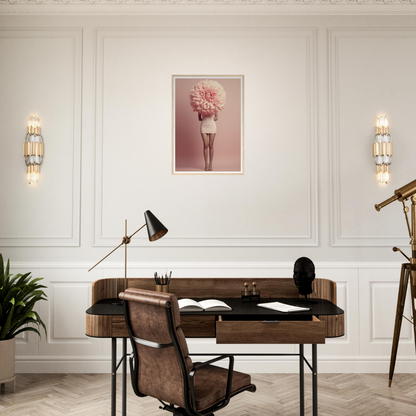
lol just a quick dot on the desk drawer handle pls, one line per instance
(270, 322)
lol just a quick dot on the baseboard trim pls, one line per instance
(245, 364)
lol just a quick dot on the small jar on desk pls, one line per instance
(162, 288)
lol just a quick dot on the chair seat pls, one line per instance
(211, 385)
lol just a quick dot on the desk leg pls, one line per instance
(113, 375)
(301, 381)
(124, 377)
(315, 379)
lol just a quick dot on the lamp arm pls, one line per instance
(112, 251)
(136, 231)
(123, 242)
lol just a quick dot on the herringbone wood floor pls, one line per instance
(277, 394)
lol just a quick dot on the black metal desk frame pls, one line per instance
(302, 360)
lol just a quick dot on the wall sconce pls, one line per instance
(382, 149)
(33, 150)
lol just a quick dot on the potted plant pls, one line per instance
(18, 296)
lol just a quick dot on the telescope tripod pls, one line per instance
(408, 272)
(405, 275)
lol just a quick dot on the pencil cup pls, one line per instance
(162, 288)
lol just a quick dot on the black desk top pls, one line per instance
(239, 308)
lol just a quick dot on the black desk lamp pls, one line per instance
(155, 230)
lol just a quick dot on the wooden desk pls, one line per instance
(239, 326)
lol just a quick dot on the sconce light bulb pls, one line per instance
(383, 177)
(33, 178)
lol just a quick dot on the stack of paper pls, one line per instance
(282, 307)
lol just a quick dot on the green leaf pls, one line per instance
(28, 328)
(11, 294)
(6, 273)
(19, 294)
(3, 334)
(1, 270)
(41, 322)
(23, 279)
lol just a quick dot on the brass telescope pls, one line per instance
(400, 194)
(408, 270)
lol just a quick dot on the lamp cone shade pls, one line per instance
(155, 228)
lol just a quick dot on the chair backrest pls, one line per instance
(159, 345)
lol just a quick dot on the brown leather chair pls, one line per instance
(160, 364)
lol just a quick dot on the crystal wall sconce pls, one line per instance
(33, 150)
(382, 149)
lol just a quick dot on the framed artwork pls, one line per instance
(208, 124)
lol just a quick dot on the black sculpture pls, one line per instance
(304, 275)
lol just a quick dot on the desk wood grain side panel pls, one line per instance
(283, 332)
(198, 288)
(327, 289)
(324, 289)
(334, 325)
(98, 326)
(119, 327)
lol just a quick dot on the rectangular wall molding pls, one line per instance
(361, 287)
(108, 43)
(354, 221)
(49, 78)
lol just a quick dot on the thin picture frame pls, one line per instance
(192, 151)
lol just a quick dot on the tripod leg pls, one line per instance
(404, 279)
(413, 292)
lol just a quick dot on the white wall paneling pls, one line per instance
(64, 325)
(314, 86)
(360, 91)
(40, 74)
(134, 112)
(378, 300)
(69, 296)
(366, 293)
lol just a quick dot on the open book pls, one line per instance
(210, 305)
(282, 307)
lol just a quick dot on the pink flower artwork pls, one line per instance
(207, 97)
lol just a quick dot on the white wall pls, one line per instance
(314, 86)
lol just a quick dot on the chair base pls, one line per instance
(177, 411)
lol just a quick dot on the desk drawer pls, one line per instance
(281, 332)
(198, 326)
